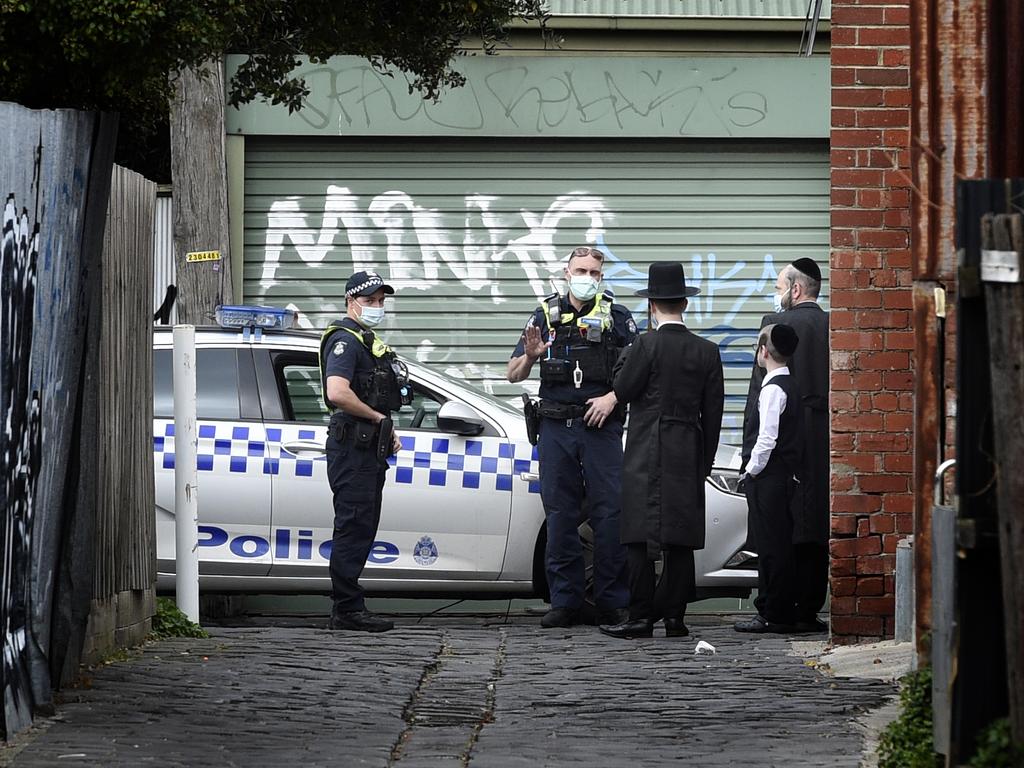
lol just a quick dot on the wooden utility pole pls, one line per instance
(199, 177)
(1002, 238)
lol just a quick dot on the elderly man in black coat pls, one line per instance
(672, 380)
(796, 292)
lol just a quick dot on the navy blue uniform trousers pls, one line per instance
(577, 461)
(357, 477)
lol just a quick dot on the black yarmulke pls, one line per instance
(784, 339)
(808, 267)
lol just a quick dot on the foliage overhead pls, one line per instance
(118, 55)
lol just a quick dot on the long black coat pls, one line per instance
(672, 380)
(810, 367)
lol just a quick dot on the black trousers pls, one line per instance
(357, 477)
(668, 597)
(769, 513)
(811, 563)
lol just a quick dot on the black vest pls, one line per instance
(788, 451)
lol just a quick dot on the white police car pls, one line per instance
(461, 514)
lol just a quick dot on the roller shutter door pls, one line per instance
(472, 233)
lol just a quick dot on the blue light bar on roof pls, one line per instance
(256, 317)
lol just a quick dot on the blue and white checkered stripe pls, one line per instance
(221, 447)
(491, 464)
(425, 460)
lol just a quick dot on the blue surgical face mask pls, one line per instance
(583, 287)
(370, 317)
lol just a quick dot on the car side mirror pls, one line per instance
(460, 419)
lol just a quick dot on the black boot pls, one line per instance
(359, 621)
(629, 629)
(676, 628)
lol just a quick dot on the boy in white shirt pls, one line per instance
(770, 480)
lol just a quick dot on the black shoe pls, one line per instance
(359, 621)
(675, 628)
(560, 617)
(759, 625)
(629, 629)
(813, 625)
(613, 616)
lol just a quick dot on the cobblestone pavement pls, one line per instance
(454, 694)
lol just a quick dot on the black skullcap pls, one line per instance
(808, 267)
(784, 339)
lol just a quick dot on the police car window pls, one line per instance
(303, 393)
(421, 413)
(216, 384)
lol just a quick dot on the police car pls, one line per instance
(461, 515)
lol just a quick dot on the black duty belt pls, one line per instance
(553, 410)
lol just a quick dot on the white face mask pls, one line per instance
(370, 317)
(583, 287)
(783, 301)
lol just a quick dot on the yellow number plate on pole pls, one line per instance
(203, 256)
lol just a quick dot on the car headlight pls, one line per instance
(726, 480)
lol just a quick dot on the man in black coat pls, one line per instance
(672, 380)
(796, 291)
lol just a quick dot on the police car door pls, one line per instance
(234, 486)
(440, 493)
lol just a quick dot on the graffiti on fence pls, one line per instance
(21, 443)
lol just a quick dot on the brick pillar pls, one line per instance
(872, 336)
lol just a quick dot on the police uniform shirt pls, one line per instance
(623, 333)
(347, 356)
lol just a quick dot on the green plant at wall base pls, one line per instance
(996, 748)
(907, 741)
(169, 621)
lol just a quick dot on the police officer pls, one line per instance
(577, 339)
(362, 382)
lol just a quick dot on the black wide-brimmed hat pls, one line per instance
(667, 280)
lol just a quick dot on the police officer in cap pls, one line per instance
(363, 381)
(576, 339)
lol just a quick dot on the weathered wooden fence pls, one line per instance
(123, 581)
(62, 414)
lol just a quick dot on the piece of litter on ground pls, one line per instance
(704, 648)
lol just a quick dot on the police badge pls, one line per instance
(425, 552)
(339, 348)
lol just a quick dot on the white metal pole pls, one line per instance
(186, 503)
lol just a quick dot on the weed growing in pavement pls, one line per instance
(996, 748)
(907, 741)
(169, 621)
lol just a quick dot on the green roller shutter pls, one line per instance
(473, 233)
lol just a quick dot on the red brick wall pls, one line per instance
(872, 334)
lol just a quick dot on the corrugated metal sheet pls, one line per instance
(163, 252)
(472, 234)
(757, 9)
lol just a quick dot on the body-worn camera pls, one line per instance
(555, 371)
